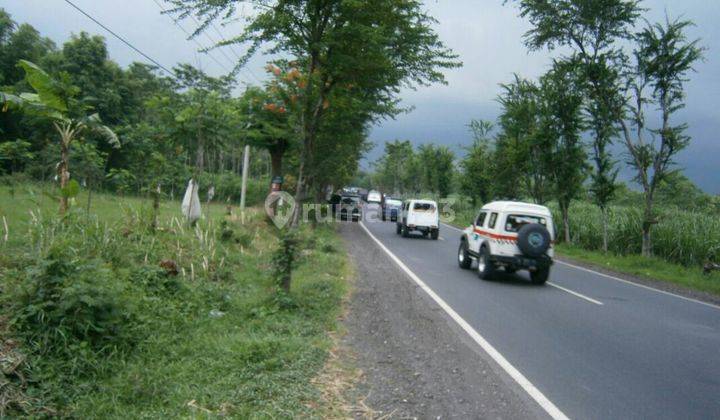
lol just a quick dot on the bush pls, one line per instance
(228, 187)
(73, 309)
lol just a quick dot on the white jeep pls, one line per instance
(419, 215)
(511, 235)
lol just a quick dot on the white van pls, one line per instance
(419, 215)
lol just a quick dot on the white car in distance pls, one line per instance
(419, 215)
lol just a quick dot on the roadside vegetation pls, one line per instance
(115, 304)
(609, 99)
(103, 316)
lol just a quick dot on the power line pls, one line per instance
(222, 38)
(190, 37)
(232, 49)
(123, 40)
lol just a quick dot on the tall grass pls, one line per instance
(682, 237)
(107, 329)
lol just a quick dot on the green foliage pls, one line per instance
(403, 170)
(561, 122)
(477, 166)
(155, 329)
(284, 259)
(72, 309)
(15, 155)
(71, 190)
(682, 237)
(520, 167)
(122, 180)
(392, 170)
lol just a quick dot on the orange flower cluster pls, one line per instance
(278, 109)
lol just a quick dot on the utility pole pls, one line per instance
(243, 191)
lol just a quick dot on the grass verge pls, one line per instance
(98, 329)
(648, 268)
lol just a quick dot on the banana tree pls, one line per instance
(56, 100)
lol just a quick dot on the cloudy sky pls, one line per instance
(486, 35)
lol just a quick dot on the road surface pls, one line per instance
(590, 345)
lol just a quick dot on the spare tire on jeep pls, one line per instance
(533, 240)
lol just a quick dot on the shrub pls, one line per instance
(156, 280)
(73, 309)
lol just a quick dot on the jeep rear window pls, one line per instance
(424, 207)
(514, 222)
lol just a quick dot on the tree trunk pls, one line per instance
(200, 158)
(648, 222)
(156, 207)
(276, 158)
(565, 210)
(603, 212)
(298, 193)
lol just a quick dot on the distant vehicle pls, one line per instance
(391, 208)
(419, 215)
(350, 208)
(372, 212)
(511, 235)
(374, 197)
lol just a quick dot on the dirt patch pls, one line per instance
(416, 362)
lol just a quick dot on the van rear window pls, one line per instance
(514, 222)
(424, 207)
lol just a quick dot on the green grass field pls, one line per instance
(107, 333)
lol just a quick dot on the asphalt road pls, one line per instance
(594, 346)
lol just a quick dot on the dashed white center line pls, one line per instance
(581, 296)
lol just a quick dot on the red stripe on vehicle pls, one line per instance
(496, 236)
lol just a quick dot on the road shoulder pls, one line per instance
(416, 361)
(660, 285)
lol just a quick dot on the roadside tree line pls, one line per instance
(342, 66)
(617, 86)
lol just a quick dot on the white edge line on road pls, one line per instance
(642, 286)
(637, 284)
(515, 374)
(581, 296)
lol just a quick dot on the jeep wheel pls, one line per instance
(540, 275)
(405, 232)
(435, 234)
(486, 269)
(464, 260)
(398, 229)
